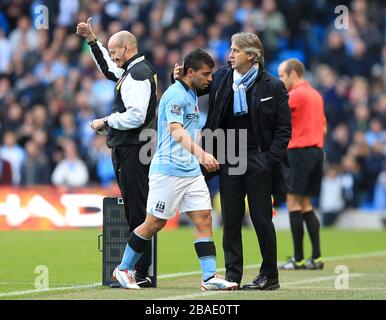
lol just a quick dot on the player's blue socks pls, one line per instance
(206, 252)
(134, 250)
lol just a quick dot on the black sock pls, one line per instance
(296, 223)
(137, 243)
(205, 248)
(313, 227)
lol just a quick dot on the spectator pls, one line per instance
(334, 54)
(35, 169)
(5, 49)
(24, 37)
(380, 109)
(67, 128)
(13, 119)
(351, 181)
(337, 145)
(376, 133)
(104, 167)
(71, 171)
(49, 69)
(331, 202)
(5, 173)
(14, 154)
(101, 96)
(67, 12)
(380, 191)
(373, 166)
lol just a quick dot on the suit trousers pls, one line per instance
(256, 182)
(133, 181)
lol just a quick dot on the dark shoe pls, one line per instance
(262, 282)
(115, 284)
(231, 279)
(142, 281)
(314, 264)
(292, 264)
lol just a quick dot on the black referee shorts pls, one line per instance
(305, 171)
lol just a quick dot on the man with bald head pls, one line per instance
(133, 111)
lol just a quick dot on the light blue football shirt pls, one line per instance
(179, 104)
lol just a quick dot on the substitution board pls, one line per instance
(115, 236)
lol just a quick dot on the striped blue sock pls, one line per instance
(206, 252)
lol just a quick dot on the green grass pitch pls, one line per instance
(75, 266)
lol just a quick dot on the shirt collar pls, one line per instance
(302, 83)
(187, 88)
(127, 63)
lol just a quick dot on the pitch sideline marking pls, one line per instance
(20, 293)
(182, 274)
(211, 293)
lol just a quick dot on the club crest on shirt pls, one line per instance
(175, 108)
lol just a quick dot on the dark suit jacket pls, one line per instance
(270, 118)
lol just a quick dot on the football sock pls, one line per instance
(206, 252)
(313, 227)
(297, 230)
(133, 251)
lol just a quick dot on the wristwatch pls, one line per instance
(105, 120)
(92, 42)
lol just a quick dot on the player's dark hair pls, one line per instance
(196, 59)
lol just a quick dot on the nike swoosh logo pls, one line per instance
(143, 281)
(265, 99)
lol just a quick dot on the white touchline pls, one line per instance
(184, 274)
(282, 285)
(251, 266)
(20, 293)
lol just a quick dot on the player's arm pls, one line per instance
(99, 54)
(183, 138)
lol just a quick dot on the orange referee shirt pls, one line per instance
(308, 119)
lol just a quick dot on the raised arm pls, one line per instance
(99, 54)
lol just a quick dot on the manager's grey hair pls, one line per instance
(251, 44)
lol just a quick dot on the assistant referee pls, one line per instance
(305, 155)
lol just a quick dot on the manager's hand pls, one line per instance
(177, 72)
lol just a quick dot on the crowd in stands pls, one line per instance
(50, 88)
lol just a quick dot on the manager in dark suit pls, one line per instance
(244, 96)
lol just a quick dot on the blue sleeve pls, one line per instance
(174, 108)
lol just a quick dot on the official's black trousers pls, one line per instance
(256, 183)
(133, 181)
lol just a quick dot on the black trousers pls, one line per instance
(256, 183)
(133, 181)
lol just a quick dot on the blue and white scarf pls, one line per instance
(240, 85)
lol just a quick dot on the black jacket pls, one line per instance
(270, 118)
(129, 102)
